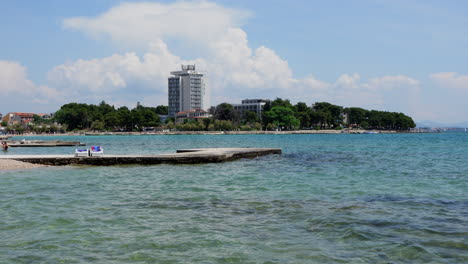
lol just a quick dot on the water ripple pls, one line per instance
(327, 199)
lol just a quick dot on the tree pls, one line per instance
(190, 125)
(53, 128)
(111, 120)
(280, 102)
(162, 110)
(226, 111)
(104, 108)
(223, 125)
(76, 116)
(18, 128)
(137, 119)
(403, 122)
(97, 125)
(250, 117)
(357, 115)
(150, 118)
(328, 115)
(387, 120)
(302, 113)
(304, 119)
(170, 119)
(38, 129)
(279, 113)
(267, 106)
(124, 118)
(375, 119)
(320, 118)
(282, 117)
(37, 119)
(207, 122)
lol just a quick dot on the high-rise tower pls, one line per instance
(186, 90)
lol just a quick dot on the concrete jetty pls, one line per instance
(43, 143)
(183, 156)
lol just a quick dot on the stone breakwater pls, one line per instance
(184, 156)
(10, 164)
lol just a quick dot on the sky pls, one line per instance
(407, 56)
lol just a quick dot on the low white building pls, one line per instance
(194, 114)
(253, 105)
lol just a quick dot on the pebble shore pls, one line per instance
(15, 165)
(325, 131)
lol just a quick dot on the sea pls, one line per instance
(344, 198)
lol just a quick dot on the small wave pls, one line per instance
(416, 200)
(461, 245)
(353, 234)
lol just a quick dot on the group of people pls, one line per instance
(4, 145)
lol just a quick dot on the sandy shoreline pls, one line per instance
(8, 164)
(261, 132)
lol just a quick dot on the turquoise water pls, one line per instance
(327, 199)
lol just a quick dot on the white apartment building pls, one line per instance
(186, 90)
(253, 105)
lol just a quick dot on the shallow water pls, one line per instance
(327, 199)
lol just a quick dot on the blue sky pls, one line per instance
(405, 56)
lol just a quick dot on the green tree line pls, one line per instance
(278, 114)
(378, 119)
(106, 117)
(281, 114)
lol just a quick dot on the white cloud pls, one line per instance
(234, 64)
(19, 90)
(213, 33)
(202, 25)
(392, 93)
(346, 81)
(94, 75)
(451, 80)
(127, 75)
(393, 82)
(13, 79)
(198, 22)
(315, 84)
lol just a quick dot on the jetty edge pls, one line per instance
(43, 143)
(182, 156)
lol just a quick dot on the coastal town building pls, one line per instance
(18, 118)
(194, 114)
(253, 105)
(163, 118)
(345, 117)
(186, 90)
(46, 116)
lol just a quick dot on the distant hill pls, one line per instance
(428, 123)
(463, 124)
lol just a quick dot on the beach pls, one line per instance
(15, 165)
